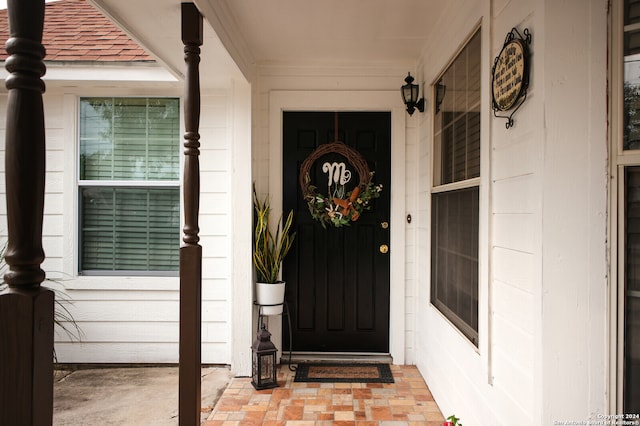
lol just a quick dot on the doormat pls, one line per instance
(343, 373)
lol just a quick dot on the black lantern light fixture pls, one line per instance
(410, 94)
(264, 373)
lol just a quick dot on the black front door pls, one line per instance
(337, 278)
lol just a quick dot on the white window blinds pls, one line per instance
(129, 188)
(455, 209)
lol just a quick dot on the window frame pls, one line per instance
(436, 188)
(80, 184)
(621, 160)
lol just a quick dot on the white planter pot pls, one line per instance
(270, 294)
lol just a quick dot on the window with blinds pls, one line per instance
(128, 185)
(455, 192)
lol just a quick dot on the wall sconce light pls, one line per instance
(441, 90)
(410, 93)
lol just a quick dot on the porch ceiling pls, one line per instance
(243, 34)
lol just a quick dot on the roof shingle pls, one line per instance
(76, 31)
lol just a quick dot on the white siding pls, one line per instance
(412, 262)
(574, 236)
(135, 319)
(543, 250)
(215, 226)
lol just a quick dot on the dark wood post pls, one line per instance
(26, 309)
(191, 251)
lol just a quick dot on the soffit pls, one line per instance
(244, 34)
(332, 31)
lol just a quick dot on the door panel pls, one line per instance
(337, 278)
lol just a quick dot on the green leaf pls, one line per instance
(269, 249)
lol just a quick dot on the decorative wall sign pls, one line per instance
(510, 75)
(338, 207)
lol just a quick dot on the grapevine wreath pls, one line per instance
(337, 207)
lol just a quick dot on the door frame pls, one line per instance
(280, 101)
(619, 160)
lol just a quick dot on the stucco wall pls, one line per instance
(543, 249)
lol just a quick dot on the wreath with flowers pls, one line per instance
(338, 207)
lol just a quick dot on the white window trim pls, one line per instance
(130, 183)
(463, 184)
(81, 183)
(483, 352)
(482, 344)
(619, 161)
(70, 250)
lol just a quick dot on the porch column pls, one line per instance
(191, 251)
(26, 309)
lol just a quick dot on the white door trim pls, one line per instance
(280, 101)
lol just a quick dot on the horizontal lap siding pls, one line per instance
(135, 319)
(516, 221)
(543, 346)
(494, 382)
(215, 228)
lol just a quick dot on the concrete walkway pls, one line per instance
(128, 396)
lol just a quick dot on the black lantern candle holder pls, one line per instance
(264, 369)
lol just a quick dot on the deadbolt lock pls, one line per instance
(384, 225)
(384, 249)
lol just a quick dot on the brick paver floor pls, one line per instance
(408, 401)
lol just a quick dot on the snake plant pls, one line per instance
(269, 250)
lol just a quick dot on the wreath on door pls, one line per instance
(338, 207)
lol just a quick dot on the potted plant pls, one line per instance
(452, 420)
(268, 253)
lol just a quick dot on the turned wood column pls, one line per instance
(191, 251)
(26, 309)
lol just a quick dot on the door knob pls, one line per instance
(384, 249)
